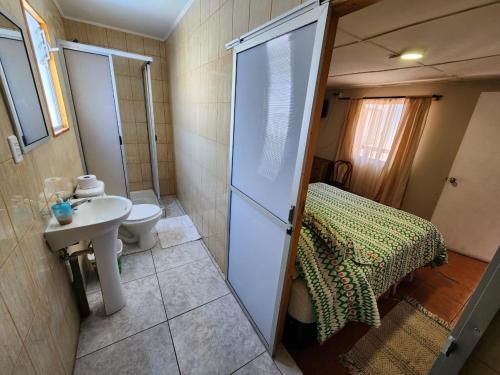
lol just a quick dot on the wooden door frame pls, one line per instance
(338, 8)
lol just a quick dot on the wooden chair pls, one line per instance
(342, 172)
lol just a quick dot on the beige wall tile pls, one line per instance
(142, 132)
(5, 131)
(21, 189)
(24, 365)
(126, 110)
(7, 235)
(139, 111)
(157, 90)
(281, 6)
(131, 153)
(159, 113)
(161, 133)
(135, 43)
(163, 170)
(161, 150)
(134, 186)
(156, 69)
(146, 172)
(18, 292)
(42, 350)
(151, 47)
(144, 154)
(199, 96)
(11, 344)
(123, 87)
(25, 262)
(136, 68)
(226, 27)
(241, 17)
(116, 39)
(134, 172)
(129, 132)
(76, 30)
(137, 86)
(121, 66)
(260, 12)
(97, 36)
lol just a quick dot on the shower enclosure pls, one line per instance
(114, 117)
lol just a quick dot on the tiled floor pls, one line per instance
(180, 318)
(442, 290)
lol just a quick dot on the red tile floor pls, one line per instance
(442, 290)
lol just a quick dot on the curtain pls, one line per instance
(380, 138)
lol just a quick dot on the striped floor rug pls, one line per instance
(408, 342)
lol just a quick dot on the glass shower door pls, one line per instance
(92, 83)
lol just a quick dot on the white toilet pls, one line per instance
(138, 228)
(139, 225)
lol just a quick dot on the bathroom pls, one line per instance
(42, 318)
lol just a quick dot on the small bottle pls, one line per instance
(62, 211)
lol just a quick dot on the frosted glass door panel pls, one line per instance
(271, 86)
(90, 78)
(256, 250)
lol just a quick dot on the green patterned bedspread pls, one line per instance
(352, 250)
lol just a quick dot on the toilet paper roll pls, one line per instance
(87, 181)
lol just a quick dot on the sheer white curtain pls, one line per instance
(380, 139)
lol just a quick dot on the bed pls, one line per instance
(351, 251)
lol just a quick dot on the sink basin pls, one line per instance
(98, 221)
(90, 220)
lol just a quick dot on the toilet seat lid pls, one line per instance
(143, 211)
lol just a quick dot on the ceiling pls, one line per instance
(151, 18)
(460, 40)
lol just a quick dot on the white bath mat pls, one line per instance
(176, 231)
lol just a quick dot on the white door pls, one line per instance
(274, 84)
(468, 210)
(93, 91)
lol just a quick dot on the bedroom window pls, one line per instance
(380, 139)
(376, 129)
(47, 69)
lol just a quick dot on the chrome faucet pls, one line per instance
(79, 202)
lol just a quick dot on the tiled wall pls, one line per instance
(200, 72)
(130, 89)
(39, 321)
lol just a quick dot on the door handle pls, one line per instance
(453, 181)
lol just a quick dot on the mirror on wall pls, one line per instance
(18, 87)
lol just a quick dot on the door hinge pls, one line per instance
(449, 346)
(289, 230)
(156, 138)
(291, 214)
(120, 138)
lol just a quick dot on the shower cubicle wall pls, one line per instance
(113, 107)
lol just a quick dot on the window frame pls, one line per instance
(53, 93)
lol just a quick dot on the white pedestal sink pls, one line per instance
(98, 221)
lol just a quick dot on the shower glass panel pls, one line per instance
(92, 89)
(274, 84)
(133, 113)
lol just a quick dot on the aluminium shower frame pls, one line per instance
(148, 94)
